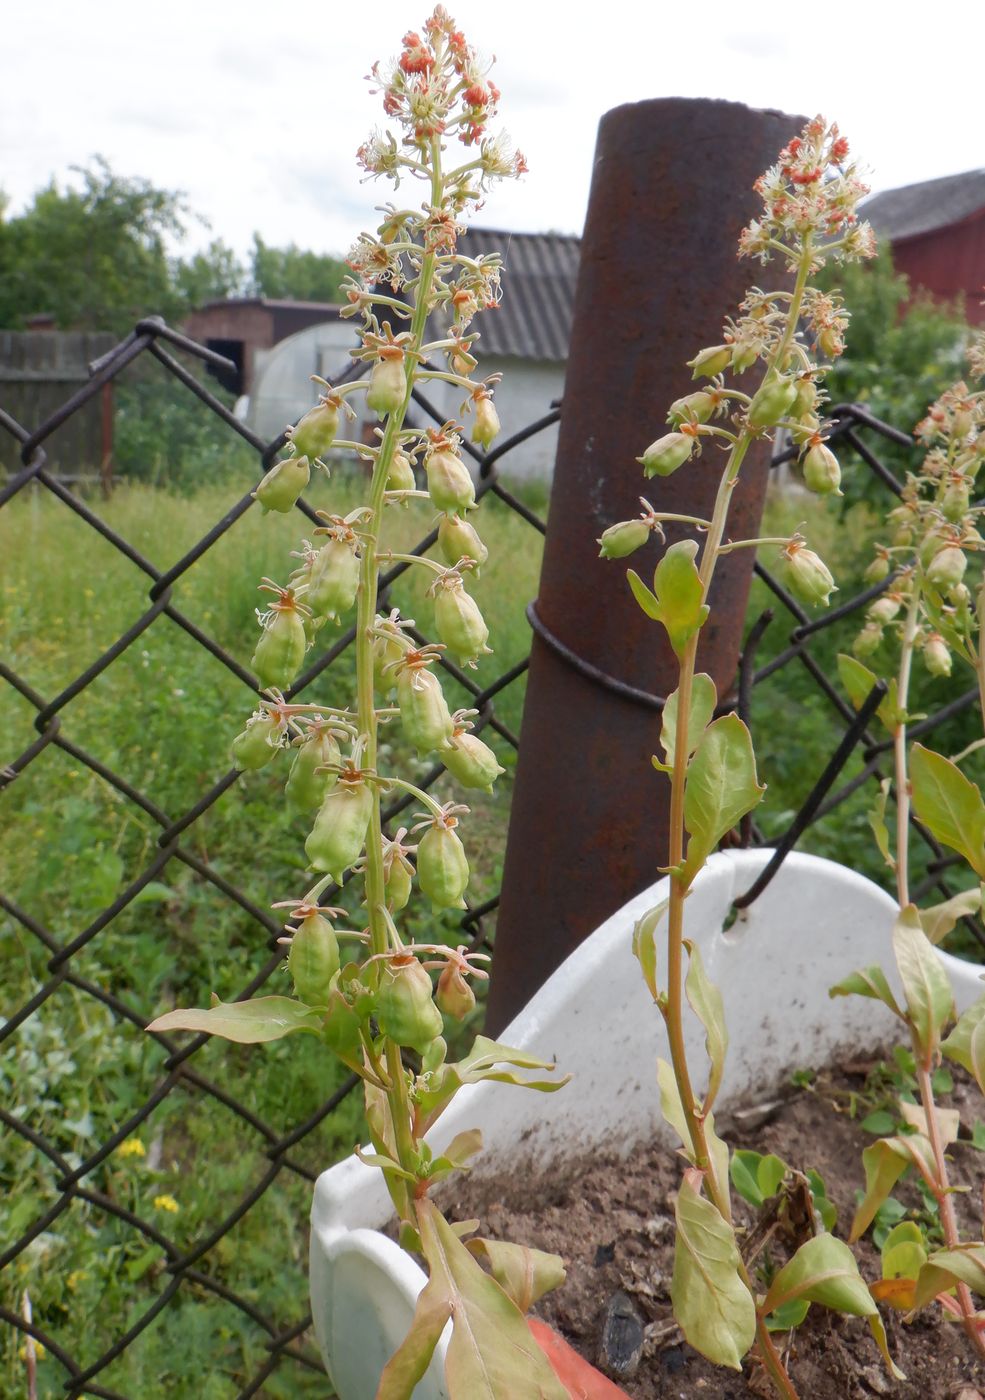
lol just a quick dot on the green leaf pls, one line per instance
(718, 1153)
(867, 982)
(966, 1043)
(136, 1268)
(436, 1089)
(462, 1146)
(946, 1267)
(824, 1271)
(704, 698)
(246, 1022)
(885, 1162)
(825, 1208)
(858, 680)
(788, 1316)
(523, 1274)
(492, 1354)
(948, 1120)
(890, 1213)
(386, 1164)
(755, 1176)
(712, 1304)
(721, 788)
(904, 1252)
(949, 804)
(876, 817)
(706, 1003)
(154, 893)
(676, 599)
(671, 1106)
(881, 1123)
(939, 919)
(645, 944)
(926, 987)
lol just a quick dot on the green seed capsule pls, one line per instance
(459, 622)
(715, 359)
(692, 408)
(306, 787)
(336, 840)
(457, 539)
(442, 868)
(280, 650)
(868, 640)
(334, 579)
(878, 569)
(424, 712)
(955, 501)
(805, 399)
(283, 484)
(453, 994)
(398, 884)
(771, 402)
(929, 546)
(884, 609)
(743, 358)
(405, 1007)
(807, 576)
(449, 484)
(471, 761)
(316, 431)
(390, 645)
(258, 742)
(822, 474)
(947, 567)
(401, 474)
(486, 425)
(667, 454)
(313, 960)
(936, 656)
(623, 539)
(387, 386)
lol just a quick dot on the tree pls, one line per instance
(95, 258)
(296, 273)
(210, 276)
(900, 351)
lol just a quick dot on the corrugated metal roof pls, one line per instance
(533, 321)
(929, 205)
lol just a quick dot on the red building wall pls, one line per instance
(949, 263)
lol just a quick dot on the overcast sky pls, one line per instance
(255, 110)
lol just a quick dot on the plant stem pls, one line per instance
(673, 1007)
(941, 1186)
(397, 1094)
(899, 752)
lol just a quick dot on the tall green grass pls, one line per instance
(162, 716)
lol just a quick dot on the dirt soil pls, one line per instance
(612, 1221)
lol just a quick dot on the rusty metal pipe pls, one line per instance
(671, 191)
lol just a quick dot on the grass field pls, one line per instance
(163, 716)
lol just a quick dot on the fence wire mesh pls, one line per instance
(112, 1285)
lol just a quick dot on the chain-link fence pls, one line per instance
(156, 1191)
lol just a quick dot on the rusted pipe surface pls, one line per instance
(671, 191)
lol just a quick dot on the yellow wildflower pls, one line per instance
(131, 1147)
(166, 1203)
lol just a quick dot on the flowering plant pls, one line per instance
(808, 218)
(929, 610)
(380, 1013)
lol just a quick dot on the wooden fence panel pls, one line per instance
(39, 370)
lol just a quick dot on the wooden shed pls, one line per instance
(937, 232)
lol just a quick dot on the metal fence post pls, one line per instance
(672, 189)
